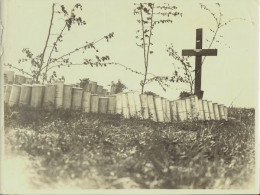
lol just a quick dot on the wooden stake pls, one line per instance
(174, 114)
(67, 96)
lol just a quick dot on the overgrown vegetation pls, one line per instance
(108, 151)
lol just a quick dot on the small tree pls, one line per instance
(184, 68)
(117, 87)
(150, 15)
(43, 63)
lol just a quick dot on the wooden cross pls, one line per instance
(198, 53)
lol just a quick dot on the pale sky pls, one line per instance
(232, 75)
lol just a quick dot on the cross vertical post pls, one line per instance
(198, 53)
(198, 61)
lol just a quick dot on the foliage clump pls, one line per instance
(108, 151)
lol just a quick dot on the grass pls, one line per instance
(108, 151)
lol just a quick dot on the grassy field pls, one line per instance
(107, 151)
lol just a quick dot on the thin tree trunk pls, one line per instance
(46, 44)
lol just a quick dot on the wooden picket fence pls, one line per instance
(95, 99)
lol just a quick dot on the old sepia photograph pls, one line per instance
(129, 97)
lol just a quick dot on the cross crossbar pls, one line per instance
(199, 52)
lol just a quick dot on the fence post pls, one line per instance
(14, 95)
(226, 112)
(103, 105)
(67, 97)
(28, 80)
(194, 106)
(10, 76)
(137, 103)
(19, 79)
(25, 95)
(49, 97)
(159, 109)
(119, 109)
(125, 105)
(99, 89)
(76, 102)
(94, 103)
(181, 110)
(201, 111)
(211, 111)
(151, 107)
(111, 104)
(93, 88)
(216, 111)
(7, 93)
(144, 106)
(59, 94)
(37, 95)
(173, 108)
(131, 102)
(188, 107)
(86, 101)
(221, 111)
(168, 111)
(206, 109)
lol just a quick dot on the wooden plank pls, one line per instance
(67, 96)
(49, 97)
(211, 111)
(86, 101)
(14, 95)
(125, 106)
(37, 95)
(174, 113)
(76, 103)
(94, 103)
(151, 107)
(159, 109)
(221, 112)
(131, 102)
(216, 111)
(201, 112)
(144, 106)
(103, 105)
(119, 109)
(206, 109)
(7, 93)
(111, 104)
